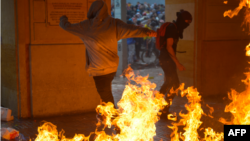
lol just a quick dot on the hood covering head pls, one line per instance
(98, 9)
(184, 18)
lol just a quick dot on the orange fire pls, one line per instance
(48, 132)
(191, 120)
(231, 14)
(243, 3)
(248, 50)
(211, 135)
(136, 116)
(138, 110)
(240, 105)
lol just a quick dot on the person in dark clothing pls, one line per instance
(138, 43)
(137, 5)
(168, 61)
(144, 8)
(129, 11)
(133, 12)
(131, 47)
(151, 43)
(153, 19)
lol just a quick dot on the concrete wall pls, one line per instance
(9, 90)
(220, 55)
(187, 43)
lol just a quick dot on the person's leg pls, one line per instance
(133, 52)
(137, 51)
(150, 48)
(130, 53)
(165, 86)
(175, 83)
(170, 80)
(164, 89)
(103, 86)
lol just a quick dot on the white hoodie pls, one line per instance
(100, 33)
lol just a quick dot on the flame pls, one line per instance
(231, 14)
(138, 109)
(243, 3)
(246, 21)
(137, 113)
(211, 135)
(248, 50)
(191, 120)
(211, 110)
(48, 132)
(240, 105)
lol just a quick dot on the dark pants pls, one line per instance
(103, 86)
(138, 44)
(150, 48)
(137, 50)
(171, 79)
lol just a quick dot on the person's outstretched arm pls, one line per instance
(66, 25)
(171, 52)
(130, 31)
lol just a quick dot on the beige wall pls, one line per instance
(43, 67)
(60, 83)
(220, 54)
(187, 43)
(9, 91)
(23, 55)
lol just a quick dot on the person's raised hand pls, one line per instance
(152, 33)
(63, 17)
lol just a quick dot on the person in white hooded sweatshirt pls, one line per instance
(100, 33)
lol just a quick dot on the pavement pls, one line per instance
(86, 123)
